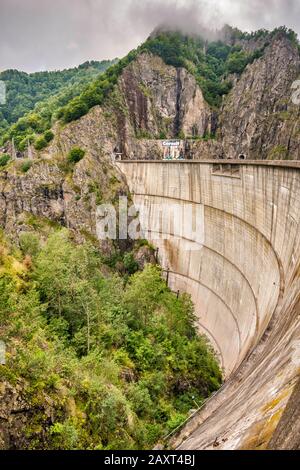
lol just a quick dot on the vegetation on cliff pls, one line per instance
(212, 64)
(32, 100)
(100, 362)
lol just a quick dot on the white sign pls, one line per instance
(171, 143)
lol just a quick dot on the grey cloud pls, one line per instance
(48, 34)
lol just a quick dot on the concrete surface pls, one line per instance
(243, 273)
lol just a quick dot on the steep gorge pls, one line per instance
(153, 101)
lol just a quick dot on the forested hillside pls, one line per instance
(216, 65)
(94, 360)
(24, 91)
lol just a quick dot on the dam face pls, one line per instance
(241, 265)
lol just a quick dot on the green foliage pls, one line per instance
(75, 155)
(96, 92)
(26, 166)
(211, 63)
(40, 143)
(117, 364)
(279, 152)
(33, 101)
(208, 65)
(130, 264)
(4, 159)
(237, 61)
(48, 136)
(29, 244)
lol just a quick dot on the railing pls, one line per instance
(178, 428)
(269, 163)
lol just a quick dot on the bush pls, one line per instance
(4, 159)
(29, 244)
(130, 263)
(48, 136)
(26, 166)
(75, 110)
(75, 155)
(40, 143)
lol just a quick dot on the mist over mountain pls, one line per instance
(37, 35)
(101, 353)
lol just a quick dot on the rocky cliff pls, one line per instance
(149, 100)
(153, 101)
(259, 118)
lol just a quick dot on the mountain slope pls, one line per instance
(25, 91)
(241, 82)
(259, 118)
(142, 100)
(145, 97)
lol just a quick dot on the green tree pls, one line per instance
(40, 143)
(75, 155)
(4, 159)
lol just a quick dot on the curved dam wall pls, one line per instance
(237, 253)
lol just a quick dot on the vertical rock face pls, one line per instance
(259, 118)
(195, 116)
(163, 100)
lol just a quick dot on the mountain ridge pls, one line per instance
(216, 66)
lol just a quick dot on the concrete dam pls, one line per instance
(241, 266)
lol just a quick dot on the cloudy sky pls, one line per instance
(55, 34)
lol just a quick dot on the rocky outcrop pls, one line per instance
(163, 100)
(17, 414)
(153, 100)
(258, 118)
(52, 192)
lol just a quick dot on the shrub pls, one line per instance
(4, 159)
(40, 143)
(75, 110)
(26, 166)
(48, 136)
(126, 357)
(29, 244)
(75, 155)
